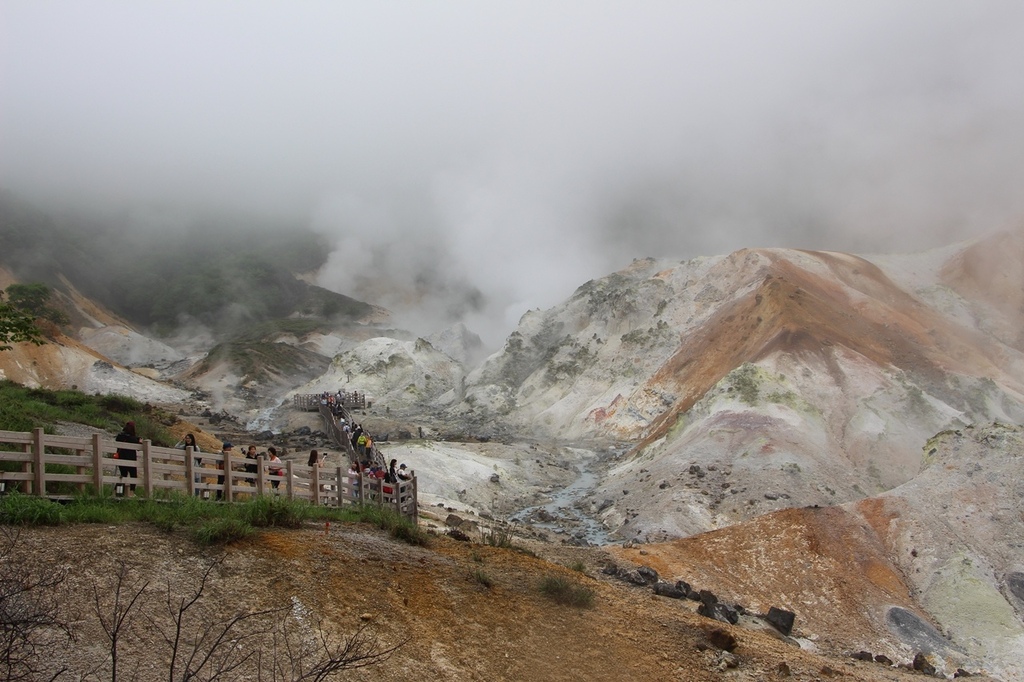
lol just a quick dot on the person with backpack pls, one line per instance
(128, 471)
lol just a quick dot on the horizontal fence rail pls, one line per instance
(63, 467)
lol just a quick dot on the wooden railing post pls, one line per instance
(289, 484)
(340, 484)
(190, 472)
(80, 470)
(38, 462)
(227, 475)
(314, 484)
(97, 464)
(147, 468)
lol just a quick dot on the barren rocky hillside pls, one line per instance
(828, 434)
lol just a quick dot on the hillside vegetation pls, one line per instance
(157, 272)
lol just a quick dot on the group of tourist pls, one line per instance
(363, 464)
(337, 401)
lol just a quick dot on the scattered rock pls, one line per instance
(649, 575)
(862, 656)
(883, 659)
(720, 639)
(727, 660)
(664, 589)
(923, 664)
(781, 620)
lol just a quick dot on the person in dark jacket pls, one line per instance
(128, 471)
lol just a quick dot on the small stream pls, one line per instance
(562, 513)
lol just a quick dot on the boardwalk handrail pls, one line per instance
(61, 467)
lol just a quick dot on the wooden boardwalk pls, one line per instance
(63, 467)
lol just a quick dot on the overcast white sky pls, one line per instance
(498, 154)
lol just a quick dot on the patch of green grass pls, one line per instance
(27, 510)
(399, 527)
(564, 591)
(498, 536)
(23, 409)
(479, 576)
(264, 511)
(207, 522)
(221, 531)
(578, 566)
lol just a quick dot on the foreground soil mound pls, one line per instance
(460, 610)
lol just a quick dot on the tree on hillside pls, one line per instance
(34, 299)
(16, 326)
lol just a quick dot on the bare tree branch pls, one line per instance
(119, 621)
(32, 624)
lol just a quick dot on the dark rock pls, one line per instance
(783, 669)
(265, 435)
(605, 503)
(771, 496)
(636, 578)
(663, 589)
(719, 611)
(707, 597)
(458, 535)
(960, 672)
(862, 656)
(611, 569)
(648, 574)
(684, 587)
(303, 431)
(781, 620)
(720, 639)
(453, 520)
(495, 478)
(923, 665)
(883, 659)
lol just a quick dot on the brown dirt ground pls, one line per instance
(457, 628)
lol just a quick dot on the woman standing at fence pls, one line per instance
(189, 441)
(274, 465)
(129, 471)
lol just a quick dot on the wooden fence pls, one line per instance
(61, 467)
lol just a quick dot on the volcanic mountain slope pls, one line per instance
(935, 565)
(766, 379)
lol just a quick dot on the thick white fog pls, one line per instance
(475, 159)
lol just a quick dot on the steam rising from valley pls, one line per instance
(473, 161)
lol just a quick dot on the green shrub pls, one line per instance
(221, 531)
(563, 591)
(96, 511)
(27, 510)
(267, 510)
(498, 536)
(399, 527)
(482, 578)
(578, 566)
